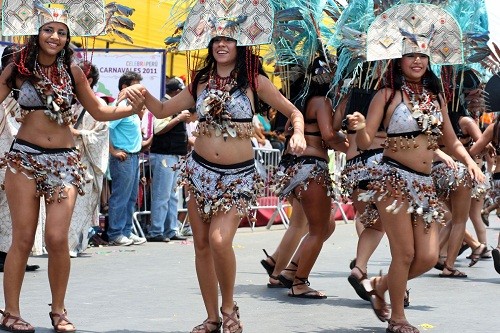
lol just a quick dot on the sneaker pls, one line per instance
(178, 238)
(187, 231)
(137, 240)
(121, 241)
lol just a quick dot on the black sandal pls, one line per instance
(455, 273)
(310, 294)
(356, 284)
(275, 285)
(286, 281)
(267, 266)
(496, 259)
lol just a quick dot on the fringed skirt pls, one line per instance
(218, 188)
(53, 169)
(396, 182)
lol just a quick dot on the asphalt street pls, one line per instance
(153, 288)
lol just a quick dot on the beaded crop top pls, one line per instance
(43, 95)
(405, 124)
(227, 114)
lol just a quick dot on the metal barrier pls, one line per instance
(266, 162)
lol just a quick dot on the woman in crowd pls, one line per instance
(356, 176)
(413, 111)
(490, 135)
(454, 188)
(306, 179)
(43, 160)
(219, 172)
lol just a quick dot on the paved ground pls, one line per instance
(152, 288)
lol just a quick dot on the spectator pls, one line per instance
(92, 140)
(170, 143)
(125, 144)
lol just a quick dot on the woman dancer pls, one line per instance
(404, 193)
(307, 180)
(454, 188)
(356, 177)
(220, 173)
(43, 161)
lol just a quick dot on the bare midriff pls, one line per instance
(222, 151)
(38, 129)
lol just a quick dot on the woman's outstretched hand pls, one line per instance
(135, 96)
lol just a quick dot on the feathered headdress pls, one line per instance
(450, 32)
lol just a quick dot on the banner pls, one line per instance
(112, 63)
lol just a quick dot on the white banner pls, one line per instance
(112, 63)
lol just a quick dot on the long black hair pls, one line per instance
(394, 80)
(248, 66)
(26, 59)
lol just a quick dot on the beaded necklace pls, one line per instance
(424, 110)
(215, 105)
(55, 90)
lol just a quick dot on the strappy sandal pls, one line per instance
(382, 313)
(401, 328)
(18, 324)
(275, 284)
(477, 253)
(58, 318)
(455, 273)
(356, 284)
(310, 294)
(286, 281)
(231, 322)
(267, 266)
(204, 327)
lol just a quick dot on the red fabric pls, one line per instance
(264, 214)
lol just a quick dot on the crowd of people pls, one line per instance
(417, 160)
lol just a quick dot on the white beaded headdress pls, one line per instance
(25, 17)
(248, 22)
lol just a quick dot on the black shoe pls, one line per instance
(29, 268)
(158, 239)
(178, 238)
(464, 247)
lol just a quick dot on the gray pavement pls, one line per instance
(153, 288)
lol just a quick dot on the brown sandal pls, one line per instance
(477, 253)
(16, 325)
(401, 328)
(57, 320)
(382, 313)
(231, 322)
(204, 327)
